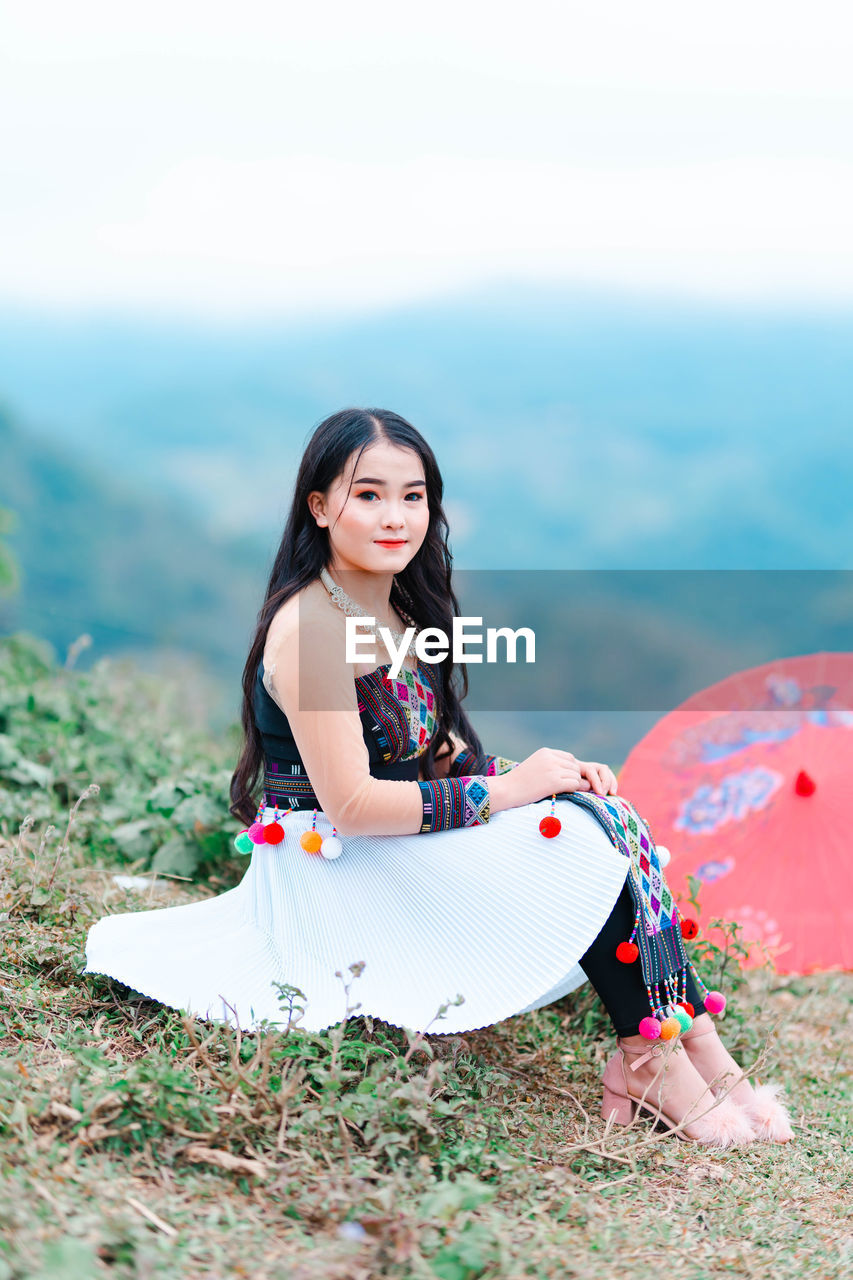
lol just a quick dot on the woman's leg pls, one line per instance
(620, 986)
(623, 994)
(714, 1063)
(673, 1083)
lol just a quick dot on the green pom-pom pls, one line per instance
(243, 843)
(684, 1018)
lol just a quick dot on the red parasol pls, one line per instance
(749, 785)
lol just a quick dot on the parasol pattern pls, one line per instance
(750, 783)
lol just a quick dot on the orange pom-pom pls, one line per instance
(670, 1027)
(550, 826)
(627, 952)
(311, 841)
(689, 928)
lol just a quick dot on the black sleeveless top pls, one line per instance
(398, 719)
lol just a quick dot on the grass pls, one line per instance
(137, 1142)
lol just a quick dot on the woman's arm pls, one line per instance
(596, 777)
(494, 764)
(315, 688)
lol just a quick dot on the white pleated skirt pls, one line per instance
(497, 914)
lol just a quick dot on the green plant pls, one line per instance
(721, 967)
(162, 786)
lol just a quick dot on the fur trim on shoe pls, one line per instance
(768, 1114)
(725, 1126)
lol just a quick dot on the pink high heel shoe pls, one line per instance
(718, 1125)
(765, 1110)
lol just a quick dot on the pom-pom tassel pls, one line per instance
(670, 1028)
(714, 1001)
(551, 825)
(682, 1017)
(260, 832)
(331, 846)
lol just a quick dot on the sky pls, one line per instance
(282, 158)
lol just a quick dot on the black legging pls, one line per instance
(619, 985)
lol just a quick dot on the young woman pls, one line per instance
(396, 864)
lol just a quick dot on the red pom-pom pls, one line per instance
(627, 952)
(687, 1007)
(550, 826)
(273, 832)
(689, 928)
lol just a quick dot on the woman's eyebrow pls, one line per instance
(373, 480)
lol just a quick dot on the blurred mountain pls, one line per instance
(131, 569)
(574, 430)
(150, 465)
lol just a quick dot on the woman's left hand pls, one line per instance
(600, 778)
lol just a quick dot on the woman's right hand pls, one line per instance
(542, 774)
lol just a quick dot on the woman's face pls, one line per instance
(386, 504)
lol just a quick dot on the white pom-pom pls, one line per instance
(331, 847)
(664, 854)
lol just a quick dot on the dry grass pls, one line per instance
(137, 1142)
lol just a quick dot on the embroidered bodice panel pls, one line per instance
(404, 710)
(398, 714)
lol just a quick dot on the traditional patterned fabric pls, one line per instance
(500, 764)
(403, 710)
(287, 784)
(416, 696)
(454, 802)
(663, 959)
(494, 764)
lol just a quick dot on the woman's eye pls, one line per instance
(371, 493)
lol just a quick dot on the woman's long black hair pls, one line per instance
(423, 589)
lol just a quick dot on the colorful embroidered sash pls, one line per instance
(662, 957)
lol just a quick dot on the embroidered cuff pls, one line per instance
(454, 802)
(494, 764)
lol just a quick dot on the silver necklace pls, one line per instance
(353, 610)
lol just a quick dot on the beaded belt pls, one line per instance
(292, 789)
(287, 784)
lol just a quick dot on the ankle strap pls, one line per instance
(655, 1051)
